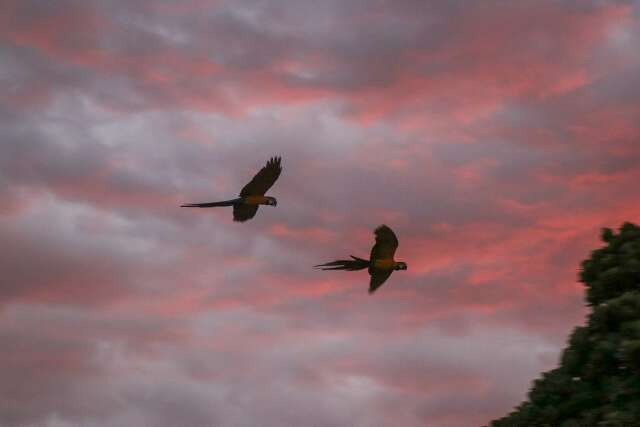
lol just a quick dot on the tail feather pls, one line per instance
(212, 204)
(345, 264)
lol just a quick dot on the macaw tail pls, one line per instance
(345, 264)
(212, 204)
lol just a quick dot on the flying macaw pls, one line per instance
(380, 264)
(252, 194)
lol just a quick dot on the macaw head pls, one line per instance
(400, 265)
(271, 201)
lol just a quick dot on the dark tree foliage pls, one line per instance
(598, 381)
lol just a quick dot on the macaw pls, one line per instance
(252, 194)
(380, 263)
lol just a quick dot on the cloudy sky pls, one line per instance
(496, 138)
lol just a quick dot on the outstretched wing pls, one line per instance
(243, 213)
(386, 243)
(378, 277)
(264, 179)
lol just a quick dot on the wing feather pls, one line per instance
(264, 179)
(243, 213)
(378, 277)
(386, 243)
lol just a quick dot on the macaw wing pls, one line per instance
(264, 179)
(243, 213)
(378, 277)
(386, 243)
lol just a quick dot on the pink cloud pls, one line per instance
(306, 234)
(490, 138)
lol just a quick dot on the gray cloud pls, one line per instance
(122, 309)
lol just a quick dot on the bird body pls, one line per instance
(255, 200)
(252, 194)
(383, 263)
(380, 264)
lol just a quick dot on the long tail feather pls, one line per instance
(345, 264)
(211, 204)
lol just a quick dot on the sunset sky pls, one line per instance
(495, 137)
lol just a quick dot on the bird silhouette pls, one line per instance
(380, 263)
(252, 194)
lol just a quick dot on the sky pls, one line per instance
(496, 138)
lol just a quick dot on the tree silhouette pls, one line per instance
(598, 381)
